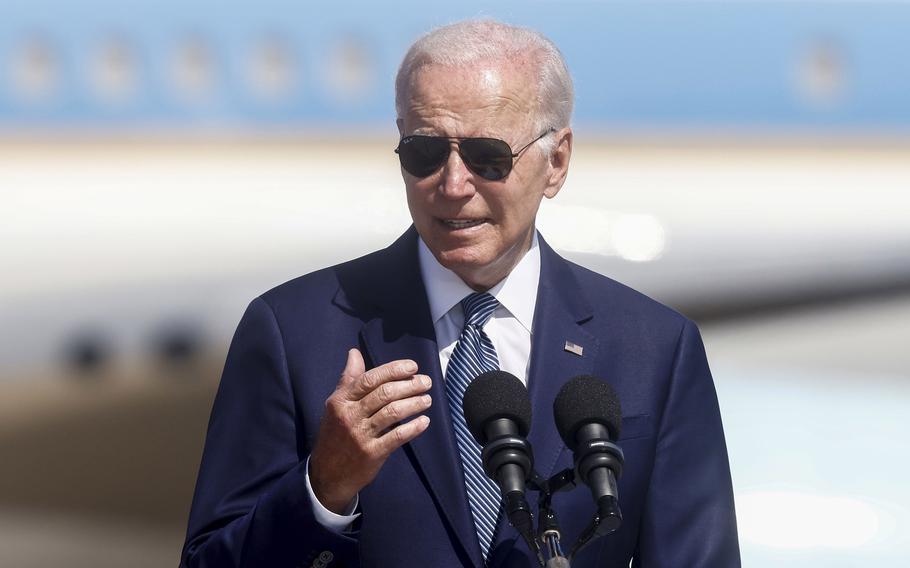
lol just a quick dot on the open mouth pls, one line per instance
(462, 223)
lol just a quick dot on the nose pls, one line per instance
(457, 181)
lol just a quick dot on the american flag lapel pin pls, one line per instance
(573, 348)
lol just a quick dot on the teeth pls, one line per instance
(462, 224)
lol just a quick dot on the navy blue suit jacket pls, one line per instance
(251, 506)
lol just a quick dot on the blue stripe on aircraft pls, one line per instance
(636, 63)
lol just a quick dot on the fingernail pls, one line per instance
(409, 367)
(427, 399)
(425, 381)
(424, 420)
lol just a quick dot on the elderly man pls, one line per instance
(304, 469)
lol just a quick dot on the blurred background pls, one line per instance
(162, 163)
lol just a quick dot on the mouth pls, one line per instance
(458, 224)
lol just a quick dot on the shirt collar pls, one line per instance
(517, 292)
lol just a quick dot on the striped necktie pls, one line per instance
(474, 354)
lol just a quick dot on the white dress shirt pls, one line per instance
(510, 329)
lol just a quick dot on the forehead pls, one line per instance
(470, 99)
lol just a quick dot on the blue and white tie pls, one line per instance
(474, 354)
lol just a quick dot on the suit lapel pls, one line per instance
(559, 316)
(401, 328)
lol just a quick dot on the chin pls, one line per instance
(461, 259)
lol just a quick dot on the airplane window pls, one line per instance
(272, 69)
(822, 73)
(35, 69)
(350, 70)
(194, 69)
(114, 73)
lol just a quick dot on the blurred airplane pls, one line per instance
(161, 160)
(151, 250)
(158, 172)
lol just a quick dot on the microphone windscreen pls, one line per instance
(493, 395)
(583, 400)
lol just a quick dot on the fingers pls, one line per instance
(402, 434)
(398, 411)
(393, 391)
(370, 380)
(362, 425)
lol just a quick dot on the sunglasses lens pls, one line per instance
(487, 157)
(420, 156)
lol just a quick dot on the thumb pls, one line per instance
(354, 366)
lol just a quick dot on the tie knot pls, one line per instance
(478, 308)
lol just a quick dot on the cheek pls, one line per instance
(417, 198)
(519, 211)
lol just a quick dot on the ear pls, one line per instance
(559, 162)
(399, 122)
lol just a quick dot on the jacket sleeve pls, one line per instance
(689, 518)
(251, 506)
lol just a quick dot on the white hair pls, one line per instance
(470, 41)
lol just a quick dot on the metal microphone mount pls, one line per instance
(590, 461)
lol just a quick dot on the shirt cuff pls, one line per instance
(330, 520)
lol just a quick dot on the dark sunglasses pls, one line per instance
(490, 158)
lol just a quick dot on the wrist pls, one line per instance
(332, 495)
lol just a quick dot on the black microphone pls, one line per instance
(497, 410)
(589, 418)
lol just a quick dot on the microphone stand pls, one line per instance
(606, 520)
(548, 523)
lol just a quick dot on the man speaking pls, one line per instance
(303, 468)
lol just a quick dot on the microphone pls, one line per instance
(588, 418)
(497, 410)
